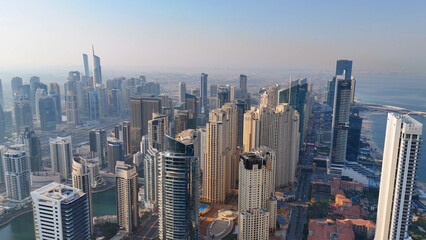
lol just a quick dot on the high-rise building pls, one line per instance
(277, 129)
(97, 72)
(23, 113)
(47, 113)
(269, 98)
(127, 196)
(243, 85)
(182, 92)
(54, 91)
(33, 149)
(399, 166)
(220, 158)
(1, 94)
(2, 150)
(141, 109)
(127, 138)
(151, 175)
(343, 67)
(178, 193)
(81, 180)
(16, 175)
(224, 95)
(61, 156)
(257, 205)
(242, 106)
(181, 121)
(73, 113)
(203, 88)
(98, 145)
(93, 100)
(213, 90)
(354, 135)
(157, 128)
(86, 65)
(340, 122)
(115, 152)
(16, 85)
(60, 212)
(2, 124)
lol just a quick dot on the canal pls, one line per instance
(22, 227)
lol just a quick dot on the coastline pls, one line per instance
(367, 133)
(15, 215)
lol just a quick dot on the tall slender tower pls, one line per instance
(399, 167)
(97, 73)
(204, 98)
(341, 112)
(17, 175)
(61, 156)
(178, 192)
(1, 94)
(127, 138)
(127, 196)
(157, 129)
(182, 92)
(2, 124)
(54, 91)
(81, 180)
(98, 145)
(86, 64)
(115, 152)
(257, 205)
(243, 85)
(33, 149)
(60, 212)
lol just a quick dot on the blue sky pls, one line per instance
(382, 36)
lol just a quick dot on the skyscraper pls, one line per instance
(81, 180)
(2, 124)
(141, 109)
(204, 97)
(127, 196)
(97, 72)
(270, 97)
(54, 91)
(178, 193)
(16, 85)
(23, 113)
(399, 167)
(86, 65)
(60, 212)
(61, 156)
(33, 149)
(243, 85)
(354, 135)
(257, 205)
(340, 123)
(277, 129)
(213, 90)
(98, 145)
(17, 175)
(93, 100)
(150, 168)
(47, 113)
(157, 129)
(223, 95)
(115, 152)
(1, 94)
(127, 138)
(73, 113)
(182, 92)
(221, 159)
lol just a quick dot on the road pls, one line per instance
(149, 230)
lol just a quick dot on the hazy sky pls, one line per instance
(378, 35)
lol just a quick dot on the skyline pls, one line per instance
(188, 35)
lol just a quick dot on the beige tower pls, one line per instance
(278, 129)
(270, 97)
(257, 205)
(220, 154)
(127, 196)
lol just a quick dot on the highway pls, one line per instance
(149, 230)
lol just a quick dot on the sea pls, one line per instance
(400, 90)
